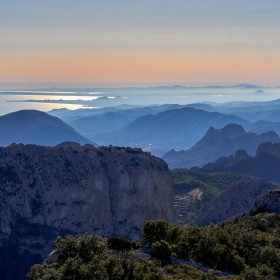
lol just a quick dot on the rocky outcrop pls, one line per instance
(219, 143)
(269, 148)
(235, 200)
(46, 191)
(267, 203)
(265, 164)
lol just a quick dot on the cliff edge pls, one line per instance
(50, 191)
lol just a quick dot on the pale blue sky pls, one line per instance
(70, 23)
(173, 26)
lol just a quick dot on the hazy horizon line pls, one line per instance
(136, 86)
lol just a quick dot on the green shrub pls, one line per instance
(154, 231)
(161, 250)
(120, 244)
(245, 246)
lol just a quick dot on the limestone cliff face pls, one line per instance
(72, 189)
(267, 203)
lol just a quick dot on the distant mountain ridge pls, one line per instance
(155, 129)
(252, 111)
(219, 142)
(264, 126)
(265, 164)
(36, 127)
(178, 128)
(95, 126)
(94, 123)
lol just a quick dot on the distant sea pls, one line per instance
(14, 101)
(48, 99)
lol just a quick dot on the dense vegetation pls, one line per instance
(211, 184)
(248, 247)
(90, 257)
(124, 149)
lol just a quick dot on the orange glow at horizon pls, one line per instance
(141, 67)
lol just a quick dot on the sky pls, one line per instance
(83, 43)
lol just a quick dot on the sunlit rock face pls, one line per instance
(46, 191)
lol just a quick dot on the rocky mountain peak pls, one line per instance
(230, 131)
(233, 131)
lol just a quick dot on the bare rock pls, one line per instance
(73, 189)
(267, 203)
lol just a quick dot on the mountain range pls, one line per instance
(219, 142)
(178, 128)
(264, 164)
(160, 128)
(95, 126)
